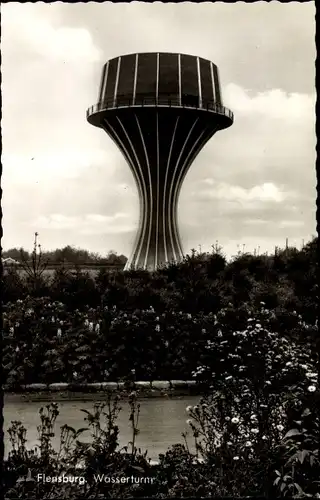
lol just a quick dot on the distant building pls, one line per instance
(9, 262)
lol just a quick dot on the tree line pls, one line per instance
(68, 255)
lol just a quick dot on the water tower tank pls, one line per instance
(160, 109)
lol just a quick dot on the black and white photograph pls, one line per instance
(159, 250)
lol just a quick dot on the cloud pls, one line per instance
(88, 224)
(222, 191)
(255, 180)
(35, 31)
(275, 104)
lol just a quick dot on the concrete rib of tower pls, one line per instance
(159, 173)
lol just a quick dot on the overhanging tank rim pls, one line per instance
(161, 52)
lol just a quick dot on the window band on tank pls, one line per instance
(157, 80)
(104, 83)
(116, 83)
(135, 79)
(179, 77)
(199, 82)
(212, 81)
(217, 85)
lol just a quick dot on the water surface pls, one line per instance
(161, 421)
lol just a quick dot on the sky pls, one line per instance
(253, 184)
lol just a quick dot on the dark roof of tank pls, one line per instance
(160, 52)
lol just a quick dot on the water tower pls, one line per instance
(160, 109)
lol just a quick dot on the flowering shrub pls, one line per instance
(261, 411)
(45, 342)
(245, 329)
(236, 454)
(101, 455)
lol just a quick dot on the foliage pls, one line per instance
(201, 283)
(246, 330)
(68, 254)
(262, 411)
(238, 452)
(45, 342)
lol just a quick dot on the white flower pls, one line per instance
(267, 382)
(17, 349)
(157, 328)
(235, 458)
(258, 326)
(280, 427)
(311, 388)
(264, 437)
(189, 316)
(248, 444)
(86, 322)
(75, 374)
(235, 420)
(203, 330)
(11, 329)
(189, 408)
(253, 417)
(227, 419)
(229, 377)
(91, 326)
(255, 431)
(97, 328)
(59, 332)
(157, 318)
(196, 408)
(311, 375)
(189, 421)
(17, 324)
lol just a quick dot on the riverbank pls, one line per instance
(65, 391)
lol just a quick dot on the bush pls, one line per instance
(46, 342)
(243, 448)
